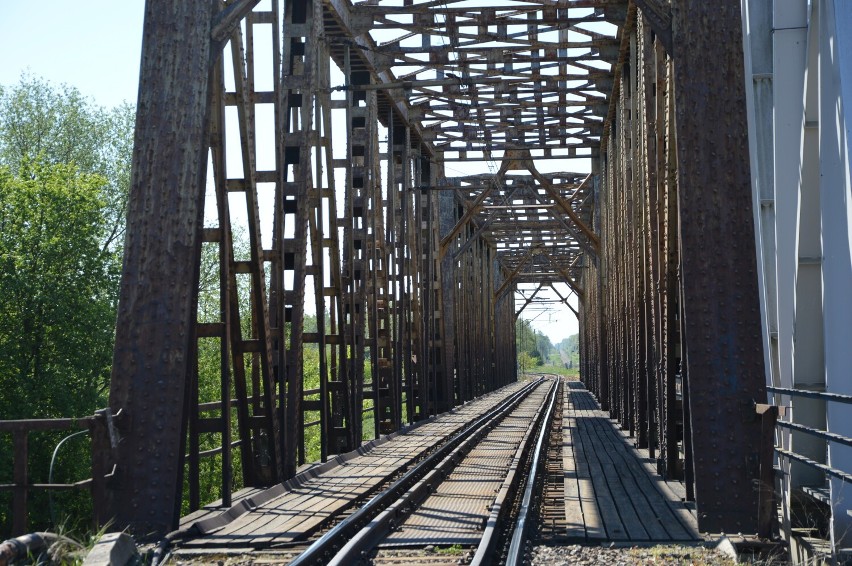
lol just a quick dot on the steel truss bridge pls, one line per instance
(417, 172)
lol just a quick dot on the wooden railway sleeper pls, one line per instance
(384, 523)
(500, 508)
(320, 551)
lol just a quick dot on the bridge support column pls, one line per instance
(361, 263)
(724, 349)
(447, 218)
(835, 119)
(154, 330)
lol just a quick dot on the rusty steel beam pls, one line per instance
(471, 211)
(258, 383)
(447, 218)
(510, 278)
(528, 300)
(354, 29)
(721, 307)
(160, 274)
(659, 15)
(226, 21)
(358, 234)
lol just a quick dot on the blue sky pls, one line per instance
(93, 45)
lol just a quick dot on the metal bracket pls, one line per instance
(112, 430)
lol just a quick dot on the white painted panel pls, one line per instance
(789, 56)
(836, 199)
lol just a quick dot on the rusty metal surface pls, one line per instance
(724, 351)
(157, 299)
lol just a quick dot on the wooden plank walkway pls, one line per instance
(609, 494)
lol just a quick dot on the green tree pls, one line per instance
(56, 292)
(57, 124)
(57, 304)
(64, 177)
(533, 342)
(526, 362)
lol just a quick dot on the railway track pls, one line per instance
(459, 505)
(390, 469)
(483, 485)
(552, 520)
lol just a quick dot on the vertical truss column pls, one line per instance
(378, 299)
(243, 328)
(649, 90)
(291, 215)
(484, 347)
(392, 391)
(306, 221)
(222, 328)
(724, 351)
(463, 321)
(601, 329)
(637, 400)
(671, 337)
(488, 366)
(643, 297)
(621, 241)
(447, 387)
(426, 243)
(358, 263)
(337, 411)
(157, 301)
(505, 362)
(410, 266)
(432, 331)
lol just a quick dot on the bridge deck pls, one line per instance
(610, 492)
(289, 513)
(457, 512)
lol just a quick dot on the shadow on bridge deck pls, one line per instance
(289, 513)
(611, 491)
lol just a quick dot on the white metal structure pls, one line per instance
(798, 58)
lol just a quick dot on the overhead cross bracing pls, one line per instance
(503, 85)
(524, 218)
(475, 81)
(483, 79)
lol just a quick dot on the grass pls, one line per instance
(453, 550)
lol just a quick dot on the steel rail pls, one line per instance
(515, 555)
(484, 551)
(319, 552)
(368, 537)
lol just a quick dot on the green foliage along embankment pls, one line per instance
(64, 173)
(537, 354)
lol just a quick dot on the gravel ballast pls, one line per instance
(621, 556)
